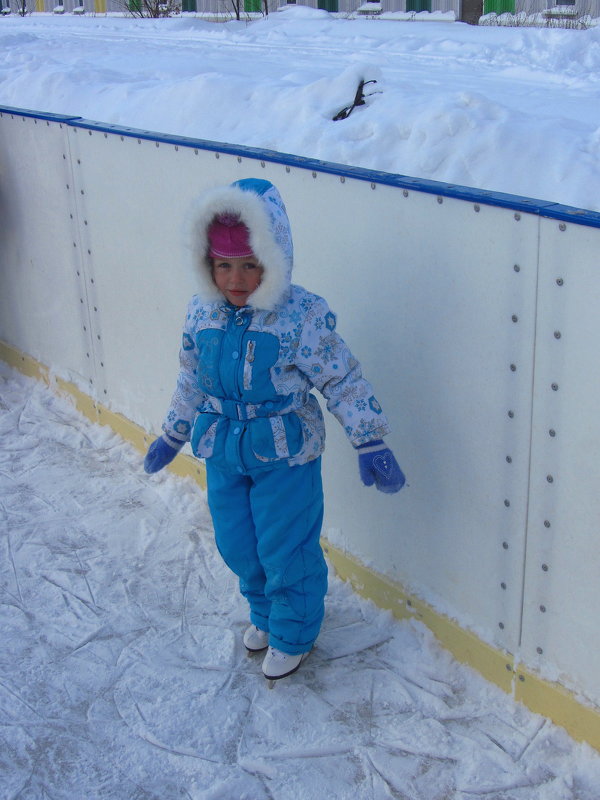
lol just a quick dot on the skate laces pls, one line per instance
(278, 654)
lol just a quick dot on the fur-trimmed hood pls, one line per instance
(260, 207)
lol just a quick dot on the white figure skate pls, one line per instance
(277, 665)
(255, 640)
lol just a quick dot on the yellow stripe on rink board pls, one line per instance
(549, 699)
(493, 664)
(554, 701)
(185, 466)
(544, 697)
(25, 364)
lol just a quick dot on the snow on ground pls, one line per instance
(509, 109)
(123, 675)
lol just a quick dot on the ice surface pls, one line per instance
(123, 675)
(515, 110)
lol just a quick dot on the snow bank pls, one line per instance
(508, 109)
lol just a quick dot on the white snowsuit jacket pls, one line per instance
(243, 395)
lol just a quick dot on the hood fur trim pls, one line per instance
(253, 210)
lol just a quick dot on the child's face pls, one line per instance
(237, 278)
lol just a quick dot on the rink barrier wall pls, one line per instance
(498, 524)
(543, 697)
(542, 208)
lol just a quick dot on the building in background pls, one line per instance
(564, 13)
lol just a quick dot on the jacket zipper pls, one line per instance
(239, 372)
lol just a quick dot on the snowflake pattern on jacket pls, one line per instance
(244, 390)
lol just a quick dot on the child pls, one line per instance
(254, 345)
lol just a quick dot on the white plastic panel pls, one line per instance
(134, 194)
(561, 634)
(42, 310)
(426, 292)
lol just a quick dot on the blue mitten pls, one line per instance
(377, 465)
(161, 452)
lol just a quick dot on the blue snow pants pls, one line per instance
(267, 528)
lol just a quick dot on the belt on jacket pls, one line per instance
(234, 409)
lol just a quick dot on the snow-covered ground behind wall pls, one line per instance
(515, 110)
(123, 674)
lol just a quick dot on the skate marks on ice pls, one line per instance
(123, 675)
(369, 725)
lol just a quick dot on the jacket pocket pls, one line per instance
(273, 438)
(203, 435)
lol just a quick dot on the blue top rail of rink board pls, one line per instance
(542, 208)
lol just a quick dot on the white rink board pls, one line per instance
(560, 621)
(43, 308)
(437, 344)
(135, 196)
(453, 345)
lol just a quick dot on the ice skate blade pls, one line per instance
(270, 684)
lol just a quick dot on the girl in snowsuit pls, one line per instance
(254, 345)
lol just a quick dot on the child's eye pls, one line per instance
(222, 265)
(250, 265)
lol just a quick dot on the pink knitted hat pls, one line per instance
(228, 238)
